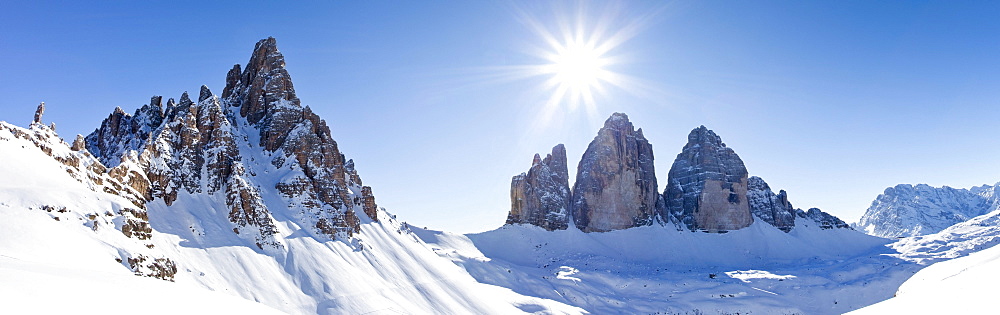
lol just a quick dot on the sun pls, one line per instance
(580, 48)
(577, 68)
(578, 53)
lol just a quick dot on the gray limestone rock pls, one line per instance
(707, 185)
(541, 196)
(615, 183)
(768, 206)
(39, 112)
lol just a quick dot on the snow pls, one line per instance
(955, 241)
(383, 269)
(47, 268)
(747, 275)
(963, 285)
(758, 269)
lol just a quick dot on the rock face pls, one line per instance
(221, 145)
(911, 210)
(39, 112)
(707, 185)
(121, 133)
(825, 220)
(615, 183)
(708, 189)
(768, 206)
(541, 196)
(776, 210)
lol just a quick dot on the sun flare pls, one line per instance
(578, 68)
(577, 54)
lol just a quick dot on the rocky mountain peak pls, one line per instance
(541, 196)
(204, 94)
(262, 84)
(191, 149)
(707, 185)
(704, 136)
(615, 183)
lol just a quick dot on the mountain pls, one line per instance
(908, 210)
(245, 194)
(615, 184)
(708, 188)
(629, 253)
(707, 185)
(962, 279)
(541, 196)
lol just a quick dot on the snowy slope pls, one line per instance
(958, 240)
(757, 269)
(908, 210)
(965, 259)
(384, 269)
(959, 286)
(48, 268)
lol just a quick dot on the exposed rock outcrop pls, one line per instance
(615, 183)
(825, 220)
(125, 180)
(79, 143)
(195, 148)
(541, 196)
(707, 185)
(39, 112)
(121, 133)
(768, 206)
(776, 210)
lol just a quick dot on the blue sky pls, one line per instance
(832, 102)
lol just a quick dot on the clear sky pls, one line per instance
(436, 101)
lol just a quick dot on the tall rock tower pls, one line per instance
(707, 185)
(541, 196)
(615, 183)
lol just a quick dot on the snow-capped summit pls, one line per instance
(911, 210)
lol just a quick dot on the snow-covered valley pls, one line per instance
(659, 270)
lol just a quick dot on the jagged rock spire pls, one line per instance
(262, 84)
(615, 183)
(39, 112)
(541, 196)
(204, 94)
(707, 185)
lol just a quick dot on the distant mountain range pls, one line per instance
(908, 210)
